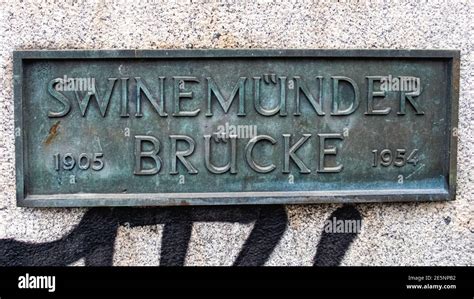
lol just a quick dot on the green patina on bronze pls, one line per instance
(208, 127)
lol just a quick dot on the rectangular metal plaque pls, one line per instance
(208, 127)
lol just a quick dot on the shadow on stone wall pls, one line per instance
(94, 237)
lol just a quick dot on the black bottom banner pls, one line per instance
(191, 282)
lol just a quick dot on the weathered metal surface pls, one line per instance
(207, 127)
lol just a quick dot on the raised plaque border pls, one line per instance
(233, 198)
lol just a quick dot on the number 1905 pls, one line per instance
(84, 161)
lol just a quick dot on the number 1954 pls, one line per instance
(400, 158)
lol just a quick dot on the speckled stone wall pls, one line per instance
(392, 234)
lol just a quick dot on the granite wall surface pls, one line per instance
(438, 233)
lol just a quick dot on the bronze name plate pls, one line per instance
(213, 127)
